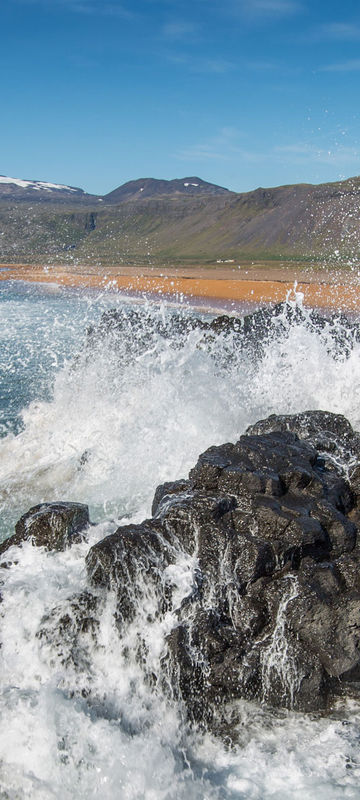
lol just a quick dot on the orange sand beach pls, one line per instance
(319, 289)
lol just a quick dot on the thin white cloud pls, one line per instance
(271, 8)
(352, 65)
(294, 149)
(262, 66)
(105, 9)
(229, 146)
(201, 152)
(304, 153)
(341, 31)
(86, 7)
(222, 147)
(179, 30)
(211, 66)
(277, 6)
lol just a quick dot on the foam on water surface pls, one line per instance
(106, 424)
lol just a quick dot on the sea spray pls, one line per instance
(108, 432)
(278, 659)
(115, 427)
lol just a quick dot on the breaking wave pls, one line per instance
(104, 417)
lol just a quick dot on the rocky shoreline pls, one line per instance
(270, 524)
(135, 329)
(268, 528)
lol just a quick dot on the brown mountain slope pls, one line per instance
(151, 187)
(303, 222)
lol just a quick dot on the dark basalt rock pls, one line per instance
(131, 561)
(165, 494)
(131, 331)
(329, 433)
(71, 629)
(273, 322)
(54, 526)
(268, 527)
(274, 610)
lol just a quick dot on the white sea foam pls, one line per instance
(116, 423)
(115, 428)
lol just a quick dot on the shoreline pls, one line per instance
(229, 286)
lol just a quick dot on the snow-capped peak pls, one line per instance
(36, 185)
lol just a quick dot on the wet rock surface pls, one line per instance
(54, 526)
(132, 331)
(270, 610)
(271, 523)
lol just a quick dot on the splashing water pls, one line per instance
(278, 658)
(105, 424)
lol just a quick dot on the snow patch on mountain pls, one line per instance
(37, 185)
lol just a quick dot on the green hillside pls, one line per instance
(300, 222)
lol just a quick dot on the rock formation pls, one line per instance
(131, 332)
(269, 526)
(54, 526)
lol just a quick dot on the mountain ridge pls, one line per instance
(186, 220)
(24, 189)
(21, 189)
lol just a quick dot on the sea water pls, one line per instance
(104, 421)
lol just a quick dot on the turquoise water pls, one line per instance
(40, 329)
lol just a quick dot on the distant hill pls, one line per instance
(151, 187)
(182, 221)
(25, 190)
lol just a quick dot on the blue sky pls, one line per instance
(239, 92)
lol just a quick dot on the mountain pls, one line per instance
(151, 187)
(39, 191)
(183, 221)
